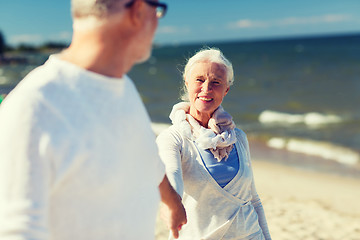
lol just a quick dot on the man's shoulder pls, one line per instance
(40, 76)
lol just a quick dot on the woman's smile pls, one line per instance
(206, 99)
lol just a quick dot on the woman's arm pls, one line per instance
(170, 146)
(176, 215)
(256, 202)
(169, 150)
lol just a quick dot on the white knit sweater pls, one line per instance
(232, 212)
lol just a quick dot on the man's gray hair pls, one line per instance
(212, 55)
(95, 8)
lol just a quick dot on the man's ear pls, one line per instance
(136, 12)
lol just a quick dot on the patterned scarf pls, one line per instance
(218, 138)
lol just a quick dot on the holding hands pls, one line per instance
(172, 210)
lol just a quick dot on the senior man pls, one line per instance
(78, 158)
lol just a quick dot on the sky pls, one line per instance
(190, 21)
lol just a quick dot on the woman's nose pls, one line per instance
(206, 87)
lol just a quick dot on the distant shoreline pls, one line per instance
(5, 60)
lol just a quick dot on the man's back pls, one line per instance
(74, 181)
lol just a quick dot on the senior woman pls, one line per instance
(207, 158)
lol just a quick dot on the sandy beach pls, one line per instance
(304, 204)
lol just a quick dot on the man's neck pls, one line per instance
(91, 52)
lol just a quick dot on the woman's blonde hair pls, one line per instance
(212, 55)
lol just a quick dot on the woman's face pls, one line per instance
(207, 86)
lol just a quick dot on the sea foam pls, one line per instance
(310, 119)
(316, 148)
(324, 150)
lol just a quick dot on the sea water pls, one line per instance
(299, 94)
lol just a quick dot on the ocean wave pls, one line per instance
(321, 149)
(324, 150)
(310, 119)
(3, 79)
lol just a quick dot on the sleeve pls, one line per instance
(24, 175)
(170, 146)
(255, 201)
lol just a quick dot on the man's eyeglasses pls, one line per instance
(160, 7)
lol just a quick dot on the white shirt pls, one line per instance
(78, 158)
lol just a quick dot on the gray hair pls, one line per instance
(95, 8)
(212, 55)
